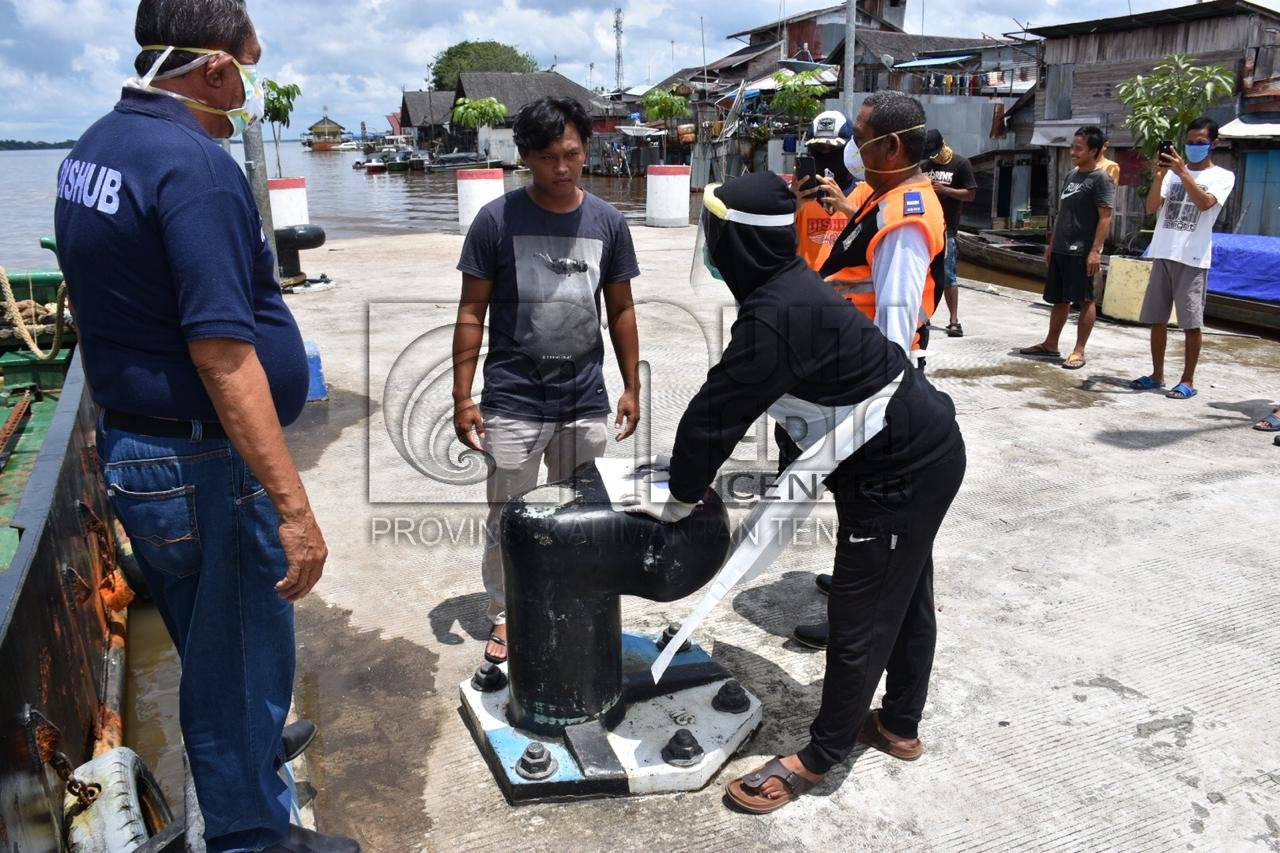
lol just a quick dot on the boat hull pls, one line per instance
(453, 167)
(55, 630)
(975, 250)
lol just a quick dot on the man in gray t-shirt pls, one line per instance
(1074, 250)
(537, 261)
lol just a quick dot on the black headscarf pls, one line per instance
(750, 256)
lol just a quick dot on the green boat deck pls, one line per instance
(19, 369)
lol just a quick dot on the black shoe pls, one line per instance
(824, 584)
(297, 737)
(301, 840)
(813, 636)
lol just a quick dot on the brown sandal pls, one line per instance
(746, 794)
(873, 735)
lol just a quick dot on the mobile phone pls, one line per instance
(806, 168)
(1166, 147)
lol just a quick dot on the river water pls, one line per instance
(345, 202)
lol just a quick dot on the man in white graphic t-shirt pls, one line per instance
(1188, 196)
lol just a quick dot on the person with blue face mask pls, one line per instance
(196, 366)
(1187, 194)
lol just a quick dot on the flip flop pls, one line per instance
(1181, 391)
(1041, 351)
(745, 791)
(1075, 361)
(492, 658)
(1272, 422)
(1145, 383)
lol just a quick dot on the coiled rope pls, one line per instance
(15, 317)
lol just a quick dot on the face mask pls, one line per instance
(240, 117)
(857, 168)
(1196, 153)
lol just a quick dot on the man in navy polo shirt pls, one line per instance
(197, 365)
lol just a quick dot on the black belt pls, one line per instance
(161, 427)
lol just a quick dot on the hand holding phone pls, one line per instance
(806, 177)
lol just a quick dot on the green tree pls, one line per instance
(799, 96)
(277, 109)
(666, 106)
(477, 56)
(1165, 101)
(477, 112)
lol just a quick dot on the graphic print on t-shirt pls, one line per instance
(1180, 212)
(557, 278)
(824, 230)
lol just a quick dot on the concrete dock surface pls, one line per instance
(1108, 612)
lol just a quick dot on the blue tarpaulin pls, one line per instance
(1246, 266)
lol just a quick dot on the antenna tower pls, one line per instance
(617, 34)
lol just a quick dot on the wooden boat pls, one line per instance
(375, 166)
(1017, 255)
(63, 598)
(1248, 312)
(398, 162)
(460, 160)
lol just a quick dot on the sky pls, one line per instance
(62, 61)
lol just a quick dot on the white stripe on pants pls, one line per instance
(517, 449)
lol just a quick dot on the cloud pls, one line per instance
(62, 61)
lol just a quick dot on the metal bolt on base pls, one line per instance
(683, 750)
(669, 634)
(536, 762)
(489, 677)
(731, 698)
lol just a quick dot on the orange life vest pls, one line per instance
(854, 251)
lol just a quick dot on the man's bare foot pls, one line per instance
(495, 651)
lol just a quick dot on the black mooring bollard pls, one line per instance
(565, 567)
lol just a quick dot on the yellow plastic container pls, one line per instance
(1126, 288)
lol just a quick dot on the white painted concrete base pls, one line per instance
(639, 738)
(636, 742)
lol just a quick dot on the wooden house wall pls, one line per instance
(1213, 35)
(1093, 64)
(1093, 84)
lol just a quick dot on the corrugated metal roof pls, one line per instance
(935, 60)
(1178, 14)
(1251, 127)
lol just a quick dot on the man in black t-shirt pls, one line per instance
(1074, 250)
(953, 181)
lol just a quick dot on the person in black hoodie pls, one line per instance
(799, 351)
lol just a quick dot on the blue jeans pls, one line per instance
(205, 535)
(950, 263)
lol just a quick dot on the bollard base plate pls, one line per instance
(595, 762)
